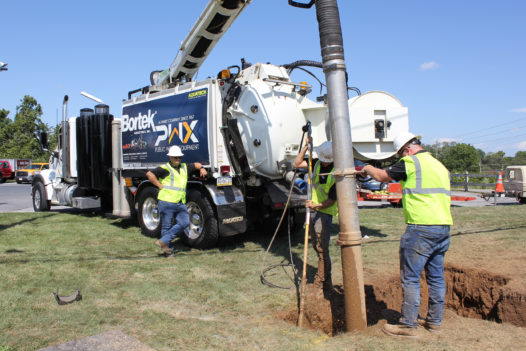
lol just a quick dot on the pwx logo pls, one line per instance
(182, 130)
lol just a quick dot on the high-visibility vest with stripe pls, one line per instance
(321, 191)
(426, 191)
(174, 185)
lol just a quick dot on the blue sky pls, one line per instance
(459, 66)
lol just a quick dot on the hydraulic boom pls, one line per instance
(213, 23)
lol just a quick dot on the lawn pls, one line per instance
(213, 299)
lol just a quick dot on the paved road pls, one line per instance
(17, 198)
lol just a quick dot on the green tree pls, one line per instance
(494, 160)
(21, 136)
(460, 158)
(5, 131)
(520, 158)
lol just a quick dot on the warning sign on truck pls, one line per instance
(150, 128)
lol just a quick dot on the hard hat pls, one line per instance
(324, 152)
(403, 138)
(175, 151)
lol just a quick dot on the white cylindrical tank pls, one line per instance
(270, 117)
(367, 113)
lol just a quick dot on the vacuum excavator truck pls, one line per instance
(245, 125)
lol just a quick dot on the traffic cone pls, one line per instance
(499, 188)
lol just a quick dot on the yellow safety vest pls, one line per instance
(426, 193)
(321, 191)
(174, 185)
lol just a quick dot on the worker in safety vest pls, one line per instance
(171, 180)
(426, 200)
(323, 202)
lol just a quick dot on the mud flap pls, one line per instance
(231, 209)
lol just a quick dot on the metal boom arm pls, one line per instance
(213, 23)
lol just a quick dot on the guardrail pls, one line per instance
(466, 183)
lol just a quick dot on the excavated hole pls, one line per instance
(470, 293)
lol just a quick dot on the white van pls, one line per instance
(514, 183)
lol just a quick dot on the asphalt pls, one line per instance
(17, 198)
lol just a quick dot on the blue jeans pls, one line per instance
(423, 247)
(169, 211)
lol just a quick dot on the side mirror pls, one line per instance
(43, 141)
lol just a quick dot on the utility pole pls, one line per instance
(350, 237)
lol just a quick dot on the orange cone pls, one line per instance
(499, 188)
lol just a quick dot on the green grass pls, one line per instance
(205, 299)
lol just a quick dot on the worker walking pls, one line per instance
(324, 204)
(171, 179)
(426, 201)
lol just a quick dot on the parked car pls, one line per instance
(368, 182)
(373, 185)
(26, 175)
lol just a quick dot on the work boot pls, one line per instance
(432, 328)
(400, 330)
(166, 250)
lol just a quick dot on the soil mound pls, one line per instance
(470, 293)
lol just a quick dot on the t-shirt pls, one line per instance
(163, 173)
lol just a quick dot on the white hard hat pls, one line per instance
(324, 152)
(175, 151)
(403, 138)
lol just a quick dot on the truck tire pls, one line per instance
(148, 213)
(203, 230)
(522, 200)
(2, 180)
(40, 201)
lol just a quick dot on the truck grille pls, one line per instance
(21, 174)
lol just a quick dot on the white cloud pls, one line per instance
(520, 109)
(429, 65)
(521, 145)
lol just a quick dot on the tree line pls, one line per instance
(19, 139)
(460, 157)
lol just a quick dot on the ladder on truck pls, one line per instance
(213, 23)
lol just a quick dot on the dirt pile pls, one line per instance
(470, 293)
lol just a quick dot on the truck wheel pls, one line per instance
(522, 200)
(2, 180)
(203, 230)
(148, 213)
(40, 201)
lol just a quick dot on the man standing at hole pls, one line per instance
(325, 207)
(171, 179)
(426, 198)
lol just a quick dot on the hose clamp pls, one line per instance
(349, 238)
(334, 67)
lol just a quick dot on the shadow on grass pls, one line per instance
(27, 220)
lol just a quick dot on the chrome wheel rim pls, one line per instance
(150, 214)
(196, 221)
(36, 199)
